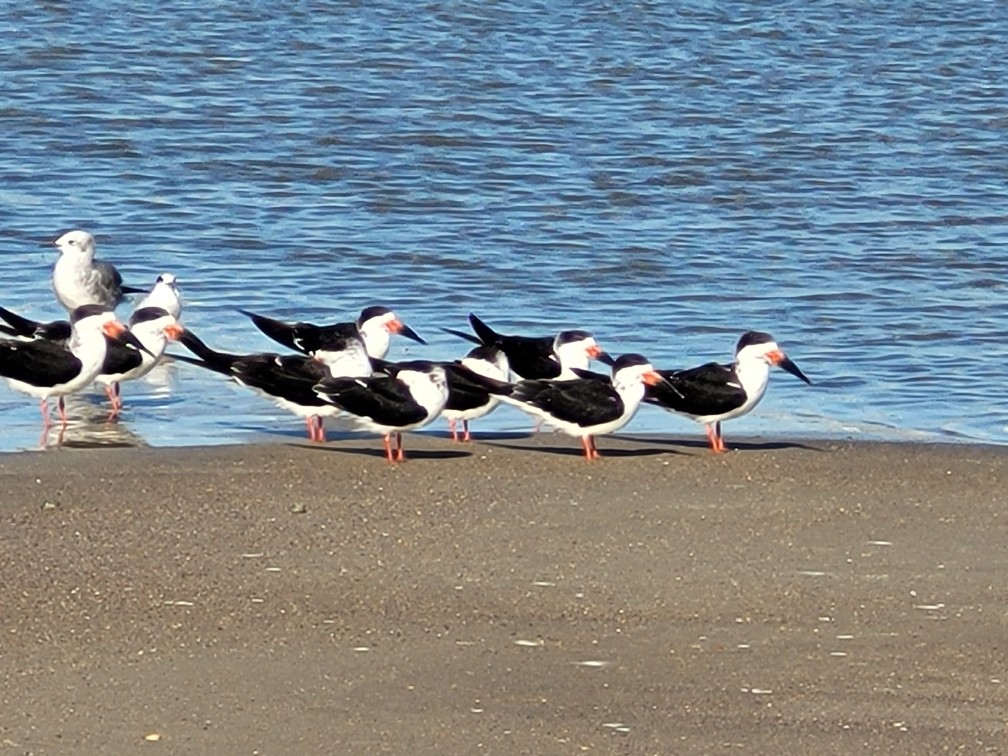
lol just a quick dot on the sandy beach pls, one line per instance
(505, 597)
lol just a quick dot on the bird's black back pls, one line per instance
(39, 362)
(709, 389)
(583, 401)
(120, 358)
(381, 398)
(291, 377)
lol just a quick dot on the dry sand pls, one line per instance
(505, 597)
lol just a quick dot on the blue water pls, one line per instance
(667, 175)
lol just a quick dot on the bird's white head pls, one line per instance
(78, 244)
(631, 370)
(575, 349)
(164, 294)
(756, 347)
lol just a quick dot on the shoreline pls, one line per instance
(506, 596)
(94, 435)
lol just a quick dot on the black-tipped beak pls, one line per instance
(605, 358)
(127, 337)
(409, 333)
(661, 382)
(785, 363)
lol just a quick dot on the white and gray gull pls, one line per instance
(79, 279)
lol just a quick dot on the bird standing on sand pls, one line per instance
(537, 357)
(587, 406)
(287, 380)
(45, 369)
(407, 400)
(79, 279)
(715, 392)
(468, 400)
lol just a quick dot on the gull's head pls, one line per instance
(76, 243)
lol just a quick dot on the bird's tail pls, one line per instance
(209, 358)
(463, 335)
(278, 330)
(487, 335)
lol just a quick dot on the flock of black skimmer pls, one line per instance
(340, 369)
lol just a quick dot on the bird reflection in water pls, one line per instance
(88, 426)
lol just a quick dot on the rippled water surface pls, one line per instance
(667, 175)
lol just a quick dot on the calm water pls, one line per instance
(664, 174)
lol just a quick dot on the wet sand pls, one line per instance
(505, 597)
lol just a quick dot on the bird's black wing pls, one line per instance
(384, 400)
(463, 335)
(591, 375)
(531, 357)
(298, 336)
(39, 362)
(585, 402)
(209, 358)
(291, 377)
(465, 392)
(108, 272)
(709, 389)
(487, 335)
(56, 330)
(333, 337)
(120, 358)
(19, 326)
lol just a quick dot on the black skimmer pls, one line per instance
(45, 368)
(587, 406)
(410, 399)
(468, 399)
(79, 279)
(715, 392)
(288, 380)
(374, 328)
(468, 396)
(153, 327)
(164, 294)
(538, 357)
(153, 322)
